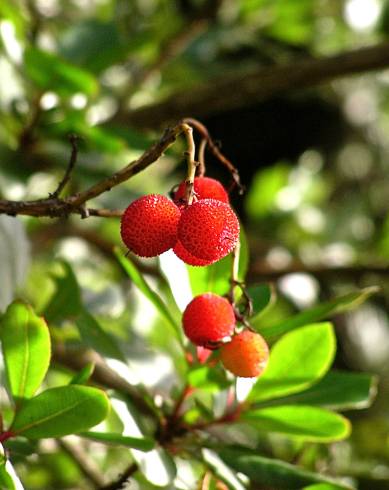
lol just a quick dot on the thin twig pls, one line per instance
(76, 358)
(86, 465)
(73, 139)
(75, 204)
(201, 157)
(216, 151)
(123, 478)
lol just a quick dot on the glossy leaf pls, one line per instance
(298, 360)
(340, 390)
(83, 375)
(66, 301)
(157, 465)
(215, 278)
(263, 297)
(48, 70)
(273, 472)
(8, 477)
(321, 486)
(60, 411)
(207, 378)
(151, 295)
(26, 348)
(221, 470)
(141, 443)
(305, 422)
(324, 310)
(95, 337)
(14, 257)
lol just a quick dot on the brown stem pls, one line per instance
(86, 465)
(73, 139)
(216, 152)
(56, 207)
(76, 359)
(201, 159)
(192, 165)
(123, 478)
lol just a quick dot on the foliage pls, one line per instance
(97, 372)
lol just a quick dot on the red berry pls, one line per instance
(208, 319)
(149, 225)
(187, 257)
(204, 188)
(208, 229)
(246, 355)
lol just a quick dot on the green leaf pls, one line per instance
(83, 375)
(156, 465)
(47, 70)
(321, 486)
(221, 470)
(60, 411)
(213, 279)
(340, 390)
(261, 198)
(151, 295)
(297, 361)
(263, 297)
(93, 44)
(140, 443)
(302, 421)
(8, 478)
(94, 336)
(208, 378)
(66, 301)
(26, 348)
(324, 310)
(14, 255)
(273, 472)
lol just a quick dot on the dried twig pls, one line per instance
(123, 478)
(216, 151)
(73, 138)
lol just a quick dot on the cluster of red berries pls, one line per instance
(200, 234)
(209, 321)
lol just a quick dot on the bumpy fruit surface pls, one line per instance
(208, 319)
(208, 229)
(187, 257)
(246, 355)
(204, 188)
(149, 225)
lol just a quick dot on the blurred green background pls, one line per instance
(314, 160)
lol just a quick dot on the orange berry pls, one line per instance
(246, 355)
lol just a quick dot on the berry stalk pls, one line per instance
(192, 165)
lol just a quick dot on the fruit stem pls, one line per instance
(192, 164)
(201, 157)
(234, 280)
